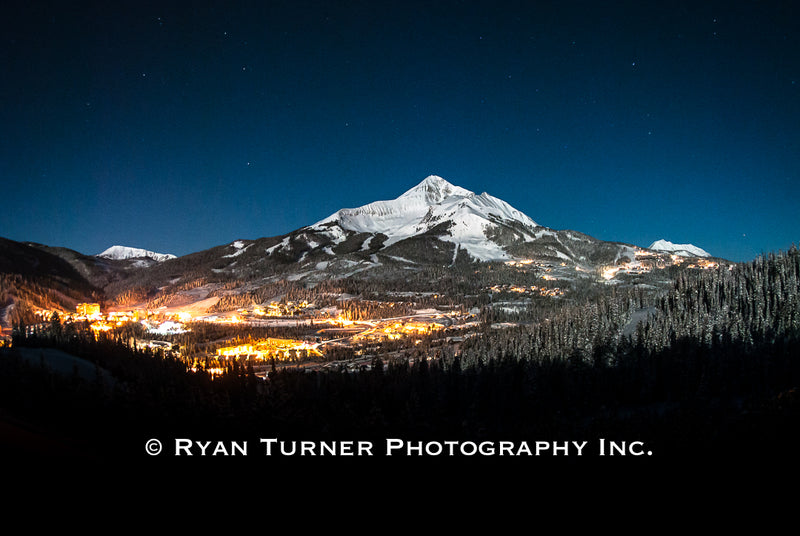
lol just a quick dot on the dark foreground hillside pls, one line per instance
(711, 380)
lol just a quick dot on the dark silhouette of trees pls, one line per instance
(712, 365)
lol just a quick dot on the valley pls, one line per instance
(277, 335)
(334, 326)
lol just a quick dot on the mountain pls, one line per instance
(37, 276)
(124, 252)
(434, 224)
(34, 276)
(683, 250)
(435, 206)
(432, 232)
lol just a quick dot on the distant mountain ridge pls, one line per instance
(125, 252)
(684, 250)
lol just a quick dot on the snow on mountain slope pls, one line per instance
(684, 250)
(433, 202)
(124, 252)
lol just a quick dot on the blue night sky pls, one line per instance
(177, 127)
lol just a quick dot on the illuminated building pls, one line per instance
(87, 309)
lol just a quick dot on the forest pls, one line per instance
(707, 370)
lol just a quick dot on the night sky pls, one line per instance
(177, 127)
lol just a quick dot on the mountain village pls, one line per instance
(289, 332)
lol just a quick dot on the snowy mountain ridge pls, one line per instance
(429, 204)
(125, 252)
(434, 223)
(683, 250)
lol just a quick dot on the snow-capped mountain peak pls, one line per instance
(684, 250)
(125, 252)
(434, 223)
(461, 217)
(434, 189)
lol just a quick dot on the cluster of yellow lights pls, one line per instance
(122, 316)
(280, 309)
(264, 349)
(102, 322)
(608, 272)
(213, 371)
(397, 330)
(416, 327)
(230, 351)
(705, 264)
(522, 262)
(273, 309)
(640, 253)
(344, 322)
(87, 309)
(89, 312)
